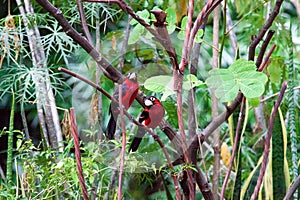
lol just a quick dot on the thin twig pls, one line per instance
(235, 145)
(216, 134)
(123, 143)
(77, 154)
(267, 59)
(85, 28)
(264, 29)
(292, 189)
(267, 142)
(124, 45)
(264, 47)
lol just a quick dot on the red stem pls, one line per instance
(235, 145)
(77, 154)
(123, 143)
(267, 142)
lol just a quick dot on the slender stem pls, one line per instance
(264, 29)
(267, 142)
(235, 145)
(123, 143)
(85, 28)
(216, 134)
(77, 154)
(292, 189)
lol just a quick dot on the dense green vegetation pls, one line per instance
(222, 101)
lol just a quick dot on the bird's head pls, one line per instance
(132, 76)
(151, 100)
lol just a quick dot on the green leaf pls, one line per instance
(275, 69)
(159, 83)
(191, 82)
(241, 75)
(166, 94)
(144, 14)
(199, 36)
(254, 102)
(171, 16)
(135, 34)
(171, 19)
(181, 33)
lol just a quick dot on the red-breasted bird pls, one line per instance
(130, 88)
(151, 116)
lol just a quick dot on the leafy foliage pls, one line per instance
(241, 75)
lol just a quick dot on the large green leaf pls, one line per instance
(241, 75)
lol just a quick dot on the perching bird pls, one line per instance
(151, 116)
(130, 88)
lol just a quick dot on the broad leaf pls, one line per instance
(191, 82)
(159, 83)
(135, 34)
(241, 75)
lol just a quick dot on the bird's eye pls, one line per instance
(152, 98)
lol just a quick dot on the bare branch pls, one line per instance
(85, 28)
(267, 141)
(264, 29)
(292, 189)
(123, 142)
(77, 154)
(235, 146)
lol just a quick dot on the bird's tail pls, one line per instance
(111, 127)
(137, 139)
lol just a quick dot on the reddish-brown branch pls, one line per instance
(235, 146)
(184, 60)
(264, 29)
(106, 67)
(207, 9)
(77, 154)
(267, 142)
(123, 142)
(266, 60)
(264, 47)
(85, 28)
(163, 39)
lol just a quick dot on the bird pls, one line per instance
(151, 117)
(130, 88)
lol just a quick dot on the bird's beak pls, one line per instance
(148, 102)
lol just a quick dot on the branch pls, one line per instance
(77, 154)
(106, 67)
(215, 123)
(292, 189)
(185, 51)
(265, 28)
(207, 9)
(235, 145)
(123, 142)
(85, 28)
(267, 142)
(163, 39)
(264, 47)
